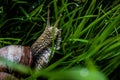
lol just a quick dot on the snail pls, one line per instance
(36, 56)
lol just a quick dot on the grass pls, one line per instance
(90, 36)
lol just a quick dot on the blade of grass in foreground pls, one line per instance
(39, 73)
(76, 73)
(14, 66)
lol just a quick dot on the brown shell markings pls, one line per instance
(17, 54)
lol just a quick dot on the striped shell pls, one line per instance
(17, 54)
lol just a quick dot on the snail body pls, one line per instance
(43, 49)
(37, 56)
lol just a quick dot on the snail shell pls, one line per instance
(16, 53)
(6, 76)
